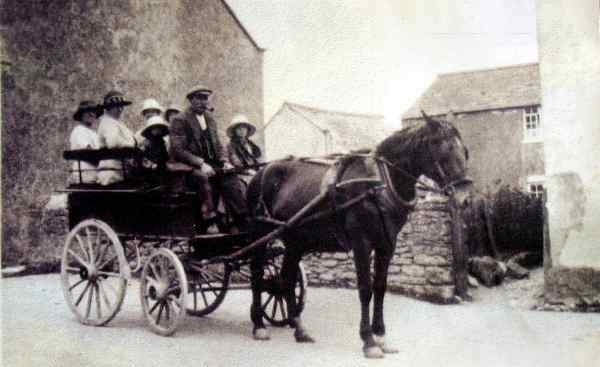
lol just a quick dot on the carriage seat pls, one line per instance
(94, 156)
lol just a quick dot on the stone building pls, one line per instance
(56, 53)
(497, 112)
(569, 50)
(307, 131)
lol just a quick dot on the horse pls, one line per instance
(282, 188)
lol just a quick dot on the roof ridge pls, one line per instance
(473, 71)
(239, 22)
(317, 109)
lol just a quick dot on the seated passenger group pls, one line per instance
(189, 137)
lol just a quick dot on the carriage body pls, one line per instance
(150, 224)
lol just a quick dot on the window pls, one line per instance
(535, 186)
(536, 190)
(532, 124)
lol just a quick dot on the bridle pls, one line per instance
(447, 190)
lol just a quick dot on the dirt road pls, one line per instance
(39, 330)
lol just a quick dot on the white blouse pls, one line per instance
(82, 137)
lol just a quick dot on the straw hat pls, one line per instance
(151, 104)
(87, 106)
(155, 121)
(240, 120)
(114, 98)
(173, 109)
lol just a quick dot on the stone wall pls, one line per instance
(423, 264)
(57, 53)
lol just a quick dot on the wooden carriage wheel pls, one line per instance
(163, 290)
(207, 288)
(92, 279)
(274, 307)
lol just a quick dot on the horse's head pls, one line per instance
(445, 156)
(434, 149)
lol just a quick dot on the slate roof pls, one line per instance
(480, 90)
(348, 130)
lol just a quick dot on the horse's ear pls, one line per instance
(431, 122)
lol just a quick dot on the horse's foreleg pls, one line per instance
(382, 262)
(259, 330)
(289, 272)
(363, 275)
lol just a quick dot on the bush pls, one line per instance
(517, 222)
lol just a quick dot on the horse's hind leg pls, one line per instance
(363, 274)
(289, 272)
(382, 262)
(259, 331)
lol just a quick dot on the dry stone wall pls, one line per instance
(423, 265)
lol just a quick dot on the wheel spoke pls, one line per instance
(104, 296)
(89, 303)
(274, 309)
(80, 243)
(154, 307)
(155, 274)
(210, 286)
(283, 310)
(98, 305)
(203, 296)
(79, 259)
(160, 310)
(90, 247)
(72, 270)
(76, 284)
(268, 301)
(175, 301)
(168, 312)
(110, 286)
(111, 259)
(102, 253)
(195, 299)
(87, 286)
(109, 274)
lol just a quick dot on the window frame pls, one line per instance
(532, 124)
(539, 183)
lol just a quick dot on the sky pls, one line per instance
(378, 56)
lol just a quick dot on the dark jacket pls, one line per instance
(188, 140)
(240, 156)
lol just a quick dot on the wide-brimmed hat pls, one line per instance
(87, 106)
(198, 89)
(173, 108)
(114, 98)
(151, 104)
(155, 121)
(240, 120)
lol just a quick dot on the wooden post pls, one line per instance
(489, 224)
(459, 250)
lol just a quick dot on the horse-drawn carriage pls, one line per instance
(356, 202)
(150, 223)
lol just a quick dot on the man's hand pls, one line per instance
(227, 166)
(198, 162)
(207, 170)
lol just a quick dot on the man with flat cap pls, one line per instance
(195, 142)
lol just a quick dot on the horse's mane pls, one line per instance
(415, 138)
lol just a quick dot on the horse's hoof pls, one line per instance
(387, 349)
(262, 334)
(303, 338)
(373, 352)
